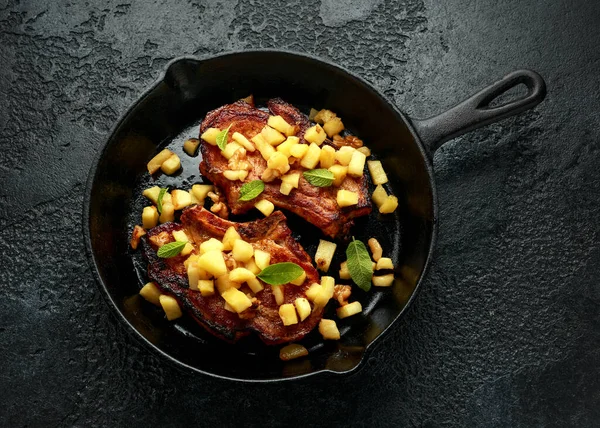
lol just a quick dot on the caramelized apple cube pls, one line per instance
(210, 245)
(287, 313)
(210, 136)
(300, 280)
(339, 174)
(315, 135)
(151, 293)
(346, 198)
(262, 259)
(242, 251)
(312, 156)
(278, 293)
(389, 205)
(349, 310)
(333, 127)
(324, 254)
(265, 207)
(171, 165)
(230, 149)
(344, 155)
(303, 307)
(191, 145)
(213, 262)
(299, 150)
(200, 191)
(265, 149)
(327, 157)
(383, 280)
(272, 136)
(279, 123)
(356, 166)
(231, 235)
(171, 307)
(157, 161)
(168, 212)
(237, 300)
(206, 287)
(384, 263)
(324, 116)
(329, 330)
(149, 217)
(180, 199)
(243, 141)
(287, 145)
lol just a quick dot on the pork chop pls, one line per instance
(317, 205)
(270, 234)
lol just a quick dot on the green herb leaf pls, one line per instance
(359, 264)
(171, 249)
(161, 195)
(319, 177)
(222, 138)
(280, 273)
(251, 190)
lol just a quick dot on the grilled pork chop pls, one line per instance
(317, 205)
(270, 234)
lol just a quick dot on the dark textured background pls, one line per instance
(506, 329)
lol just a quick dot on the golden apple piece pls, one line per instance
(237, 300)
(287, 313)
(329, 330)
(210, 136)
(151, 293)
(157, 161)
(389, 205)
(324, 254)
(315, 135)
(333, 126)
(190, 146)
(171, 165)
(265, 207)
(171, 307)
(346, 198)
(349, 310)
(383, 280)
(292, 351)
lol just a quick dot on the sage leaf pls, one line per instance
(280, 273)
(319, 177)
(161, 195)
(222, 138)
(359, 264)
(251, 190)
(171, 249)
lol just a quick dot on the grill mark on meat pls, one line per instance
(317, 205)
(270, 234)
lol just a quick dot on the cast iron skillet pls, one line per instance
(170, 111)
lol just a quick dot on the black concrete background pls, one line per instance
(506, 330)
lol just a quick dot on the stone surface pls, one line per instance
(506, 329)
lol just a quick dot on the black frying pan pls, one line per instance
(170, 111)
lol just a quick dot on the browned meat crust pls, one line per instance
(270, 234)
(317, 205)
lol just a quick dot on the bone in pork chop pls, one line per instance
(270, 234)
(317, 205)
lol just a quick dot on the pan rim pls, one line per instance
(119, 123)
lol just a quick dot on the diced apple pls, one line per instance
(339, 174)
(378, 175)
(210, 136)
(149, 217)
(365, 151)
(311, 158)
(356, 167)
(252, 266)
(191, 145)
(265, 207)
(272, 136)
(349, 310)
(191, 260)
(210, 245)
(300, 280)
(255, 285)
(389, 205)
(299, 150)
(171, 307)
(278, 293)
(237, 300)
(384, 263)
(292, 178)
(333, 127)
(279, 123)
(314, 291)
(206, 287)
(329, 330)
(287, 145)
(224, 283)
(262, 259)
(324, 116)
(179, 235)
(344, 273)
(315, 135)
(327, 288)
(285, 188)
(193, 276)
(230, 149)
(200, 191)
(265, 149)
(303, 307)
(180, 199)
(376, 249)
(243, 141)
(151, 293)
(287, 313)
(312, 114)
(327, 157)
(171, 165)
(213, 262)
(228, 307)
(241, 275)
(344, 155)
(168, 212)
(379, 195)
(242, 251)
(187, 249)
(152, 194)
(383, 280)
(292, 351)
(346, 198)
(279, 162)
(235, 175)
(231, 235)
(324, 254)
(157, 161)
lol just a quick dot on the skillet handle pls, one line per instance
(476, 112)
